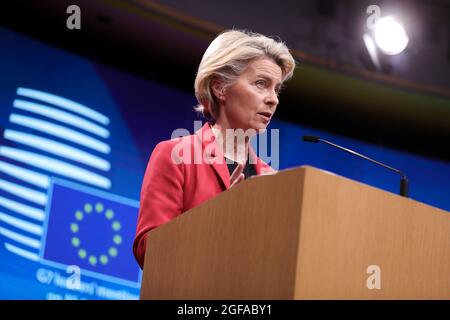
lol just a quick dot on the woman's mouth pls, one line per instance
(265, 115)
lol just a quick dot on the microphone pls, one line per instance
(404, 184)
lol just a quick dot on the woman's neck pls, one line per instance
(233, 143)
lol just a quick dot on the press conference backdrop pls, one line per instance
(76, 137)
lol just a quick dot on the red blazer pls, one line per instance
(174, 182)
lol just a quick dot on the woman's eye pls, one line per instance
(261, 83)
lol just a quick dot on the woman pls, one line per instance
(237, 87)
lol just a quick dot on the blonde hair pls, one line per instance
(228, 56)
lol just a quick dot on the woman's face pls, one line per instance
(252, 100)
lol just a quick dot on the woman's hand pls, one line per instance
(237, 175)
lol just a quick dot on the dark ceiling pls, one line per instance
(406, 105)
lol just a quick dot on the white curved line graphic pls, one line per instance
(56, 166)
(21, 224)
(63, 103)
(57, 148)
(26, 175)
(21, 252)
(61, 116)
(30, 242)
(23, 192)
(60, 132)
(25, 210)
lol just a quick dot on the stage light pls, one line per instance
(390, 36)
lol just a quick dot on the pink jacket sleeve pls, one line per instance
(161, 195)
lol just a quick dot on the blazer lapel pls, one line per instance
(253, 159)
(260, 166)
(212, 155)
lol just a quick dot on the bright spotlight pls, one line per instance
(390, 36)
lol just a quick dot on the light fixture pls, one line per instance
(390, 36)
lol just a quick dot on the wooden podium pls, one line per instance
(302, 233)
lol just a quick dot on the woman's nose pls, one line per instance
(272, 98)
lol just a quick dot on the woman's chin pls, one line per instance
(260, 127)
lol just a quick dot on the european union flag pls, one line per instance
(91, 229)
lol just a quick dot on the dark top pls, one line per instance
(249, 169)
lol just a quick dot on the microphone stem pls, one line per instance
(403, 182)
(404, 187)
(362, 156)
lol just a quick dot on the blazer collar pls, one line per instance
(215, 155)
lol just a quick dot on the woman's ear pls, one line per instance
(218, 90)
